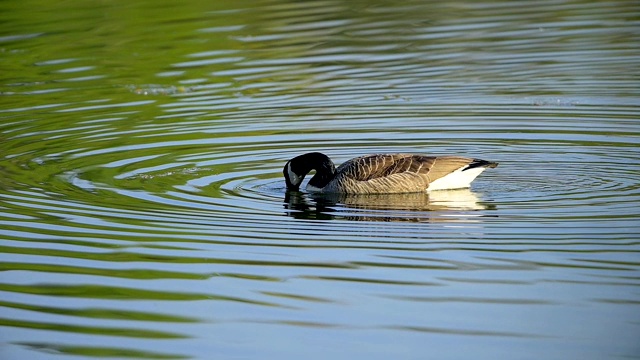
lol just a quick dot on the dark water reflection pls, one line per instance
(143, 213)
(382, 207)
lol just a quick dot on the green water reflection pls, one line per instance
(143, 213)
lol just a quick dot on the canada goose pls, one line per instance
(383, 173)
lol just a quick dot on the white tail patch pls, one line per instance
(456, 180)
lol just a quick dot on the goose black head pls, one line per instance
(297, 168)
(293, 175)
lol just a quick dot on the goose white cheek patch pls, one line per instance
(295, 179)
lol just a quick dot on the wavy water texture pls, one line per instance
(143, 212)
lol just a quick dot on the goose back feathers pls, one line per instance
(384, 173)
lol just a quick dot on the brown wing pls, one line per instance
(444, 165)
(396, 173)
(371, 167)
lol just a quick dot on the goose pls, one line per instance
(383, 173)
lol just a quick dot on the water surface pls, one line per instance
(143, 212)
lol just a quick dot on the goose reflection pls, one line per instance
(419, 207)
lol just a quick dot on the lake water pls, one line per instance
(143, 213)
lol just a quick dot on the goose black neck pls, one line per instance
(324, 167)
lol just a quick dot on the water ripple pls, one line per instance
(142, 198)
